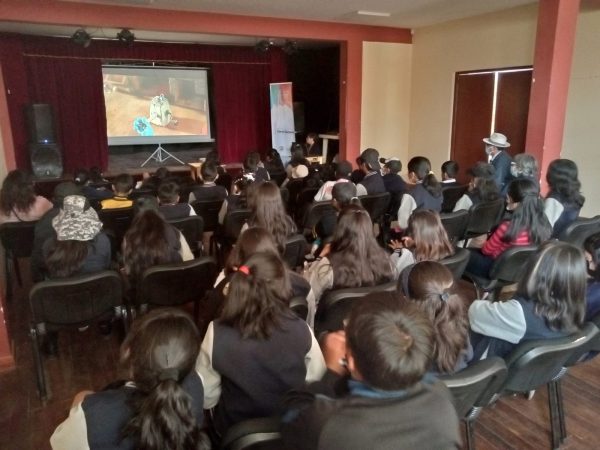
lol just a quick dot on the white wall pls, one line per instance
(490, 41)
(581, 141)
(386, 98)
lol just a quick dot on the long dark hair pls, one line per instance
(555, 279)
(430, 236)
(431, 288)
(269, 213)
(485, 189)
(421, 167)
(251, 241)
(592, 246)
(345, 194)
(17, 192)
(529, 214)
(356, 257)
(65, 258)
(258, 296)
(159, 352)
(146, 243)
(562, 177)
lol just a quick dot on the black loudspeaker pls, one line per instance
(40, 123)
(46, 160)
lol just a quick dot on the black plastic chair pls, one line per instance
(537, 363)
(457, 263)
(295, 249)
(116, 222)
(473, 388)
(455, 224)
(483, 217)
(209, 211)
(176, 284)
(577, 232)
(142, 192)
(72, 303)
(299, 306)
(192, 228)
(313, 215)
(507, 269)
(256, 434)
(451, 195)
(17, 240)
(335, 305)
(278, 177)
(376, 205)
(228, 233)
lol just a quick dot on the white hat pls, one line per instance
(497, 140)
(300, 171)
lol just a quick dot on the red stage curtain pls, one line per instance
(56, 71)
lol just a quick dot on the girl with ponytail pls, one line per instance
(425, 194)
(161, 407)
(258, 349)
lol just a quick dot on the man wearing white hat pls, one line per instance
(497, 157)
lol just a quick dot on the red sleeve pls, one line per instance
(494, 246)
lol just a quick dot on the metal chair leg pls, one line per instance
(470, 435)
(561, 412)
(554, 415)
(9, 284)
(39, 364)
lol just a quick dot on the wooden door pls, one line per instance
(512, 108)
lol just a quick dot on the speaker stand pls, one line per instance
(161, 155)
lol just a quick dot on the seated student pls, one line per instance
(299, 172)
(372, 183)
(258, 349)
(93, 193)
(122, 187)
(357, 175)
(208, 190)
(343, 194)
(342, 175)
(425, 239)
(151, 182)
(393, 182)
(352, 259)
(376, 394)
(44, 230)
(168, 198)
(482, 187)
(18, 202)
(524, 165)
(223, 178)
(97, 177)
(426, 192)
(273, 163)
(430, 286)
(253, 168)
(238, 198)
(591, 248)
(298, 159)
(563, 203)
(313, 146)
(526, 225)
(161, 404)
(549, 303)
(449, 173)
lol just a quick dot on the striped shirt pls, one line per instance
(494, 246)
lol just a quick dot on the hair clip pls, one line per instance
(169, 374)
(444, 296)
(244, 269)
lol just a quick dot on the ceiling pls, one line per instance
(402, 14)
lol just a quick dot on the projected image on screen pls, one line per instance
(155, 105)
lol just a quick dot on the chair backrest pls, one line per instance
(457, 263)
(294, 188)
(76, 300)
(451, 195)
(295, 249)
(176, 283)
(209, 211)
(191, 227)
(306, 196)
(315, 212)
(253, 434)
(534, 363)
(475, 385)
(234, 221)
(455, 224)
(137, 193)
(484, 216)
(116, 220)
(510, 265)
(278, 177)
(376, 205)
(591, 344)
(17, 238)
(577, 232)
(335, 305)
(300, 307)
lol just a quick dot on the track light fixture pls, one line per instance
(290, 47)
(263, 46)
(81, 37)
(125, 36)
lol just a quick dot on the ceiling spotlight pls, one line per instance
(81, 37)
(290, 47)
(262, 46)
(126, 36)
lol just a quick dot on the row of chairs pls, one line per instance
(530, 366)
